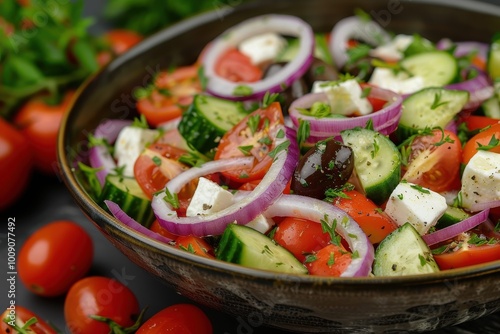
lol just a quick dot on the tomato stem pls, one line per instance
(116, 328)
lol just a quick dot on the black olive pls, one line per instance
(320, 71)
(328, 164)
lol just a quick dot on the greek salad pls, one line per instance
(356, 152)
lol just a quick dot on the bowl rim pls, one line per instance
(91, 208)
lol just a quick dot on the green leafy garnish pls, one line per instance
(140, 122)
(281, 147)
(171, 199)
(303, 131)
(494, 142)
(242, 90)
(253, 123)
(437, 101)
(245, 149)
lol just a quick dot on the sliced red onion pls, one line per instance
(464, 48)
(455, 229)
(282, 24)
(384, 121)
(241, 212)
(119, 214)
(484, 205)
(480, 89)
(354, 27)
(99, 156)
(317, 210)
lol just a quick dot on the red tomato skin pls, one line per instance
(468, 256)
(300, 236)
(237, 67)
(16, 164)
(321, 266)
(195, 244)
(374, 223)
(478, 122)
(23, 314)
(178, 319)
(121, 40)
(483, 138)
(39, 123)
(54, 257)
(103, 296)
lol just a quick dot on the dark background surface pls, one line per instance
(47, 199)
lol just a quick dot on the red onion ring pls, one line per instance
(316, 210)
(384, 121)
(268, 190)
(484, 205)
(354, 27)
(99, 156)
(455, 229)
(465, 47)
(283, 24)
(480, 89)
(119, 214)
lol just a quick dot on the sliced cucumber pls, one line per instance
(321, 50)
(377, 162)
(403, 252)
(493, 62)
(451, 216)
(429, 108)
(491, 106)
(126, 192)
(436, 68)
(244, 245)
(207, 119)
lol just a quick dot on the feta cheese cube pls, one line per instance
(481, 179)
(345, 98)
(129, 145)
(399, 82)
(392, 51)
(261, 224)
(419, 206)
(262, 48)
(208, 198)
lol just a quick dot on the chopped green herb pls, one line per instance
(420, 188)
(376, 149)
(245, 149)
(281, 147)
(357, 52)
(310, 258)
(437, 101)
(400, 196)
(91, 176)
(330, 227)
(156, 160)
(280, 134)
(303, 132)
(422, 259)
(202, 78)
(192, 159)
(494, 142)
(265, 140)
(331, 260)
(171, 199)
(242, 90)
(366, 92)
(268, 99)
(140, 122)
(253, 123)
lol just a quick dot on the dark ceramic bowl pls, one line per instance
(295, 303)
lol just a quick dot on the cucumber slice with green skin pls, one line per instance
(493, 61)
(377, 162)
(403, 252)
(429, 108)
(491, 107)
(243, 245)
(451, 216)
(436, 68)
(207, 120)
(126, 192)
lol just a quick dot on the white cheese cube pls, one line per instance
(208, 198)
(261, 224)
(419, 206)
(262, 48)
(129, 145)
(399, 82)
(345, 98)
(481, 179)
(392, 51)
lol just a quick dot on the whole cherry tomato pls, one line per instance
(113, 303)
(15, 164)
(39, 122)
(54, 257)
(179, 319)
(18, 319)
(117, 41)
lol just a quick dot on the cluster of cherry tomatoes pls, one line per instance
(55, 260)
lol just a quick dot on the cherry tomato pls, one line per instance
(15, 164)
(237, 67)
(301, 236)
(17, 320)
(258, 138)
(103, 297)
(477, 122)
(434, 160)
(54, 257)
(156, 166)
(39, 122)
(367, 214)
(331, 260)
(171, 93)
(488, 139)
(195, 245)
(464, 250)
(156, 227)
(117, 42)
(178, 319)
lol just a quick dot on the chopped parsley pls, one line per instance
(242, 90)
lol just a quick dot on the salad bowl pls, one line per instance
(299, 303)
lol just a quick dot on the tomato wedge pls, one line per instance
(478, 122)
(487, 139)
(195, 245)
(169, 95)
(252, 136)
(237, 67)
(434, 160)
(373, 221)
(331, 261)
(18, 317)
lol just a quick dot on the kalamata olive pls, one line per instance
(328, 164)
(290, 94)
(320, 71)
